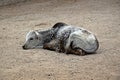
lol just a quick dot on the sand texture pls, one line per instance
(102, 17)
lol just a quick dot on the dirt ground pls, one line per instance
(101, 17)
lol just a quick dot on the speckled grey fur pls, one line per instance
(66, 38)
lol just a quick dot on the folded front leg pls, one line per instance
(50, 46)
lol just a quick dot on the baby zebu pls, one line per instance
(63, 38)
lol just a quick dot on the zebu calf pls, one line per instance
(63, 38)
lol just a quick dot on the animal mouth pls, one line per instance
(26, 48)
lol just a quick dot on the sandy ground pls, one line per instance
(9, 2)
(102, 17)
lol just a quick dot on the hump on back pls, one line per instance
(59, 25)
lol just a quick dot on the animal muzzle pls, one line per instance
(24, 47)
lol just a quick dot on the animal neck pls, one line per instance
(46, 35)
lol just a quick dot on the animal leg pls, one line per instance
(61, 46)
(76, 52)
(73, 50)
(50, 46)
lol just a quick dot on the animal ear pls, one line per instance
(36, 33)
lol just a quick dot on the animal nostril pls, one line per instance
(24, 47)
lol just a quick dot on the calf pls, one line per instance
(63, 38)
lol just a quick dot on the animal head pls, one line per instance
(33, 40)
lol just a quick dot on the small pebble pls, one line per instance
(3, 28)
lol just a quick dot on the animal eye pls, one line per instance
(31, 38)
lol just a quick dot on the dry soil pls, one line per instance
(102, 17)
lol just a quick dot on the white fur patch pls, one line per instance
(27, 36)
